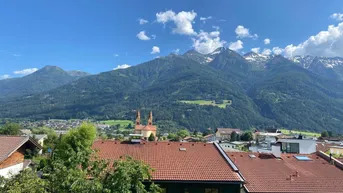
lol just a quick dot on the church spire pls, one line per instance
(138, 118)
(150, 118)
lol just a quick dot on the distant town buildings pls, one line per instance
(225, 133)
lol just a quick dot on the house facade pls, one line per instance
(12, 154)
(225, 133)
(180, 167)
(301, 146)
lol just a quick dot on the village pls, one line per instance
(223, 161)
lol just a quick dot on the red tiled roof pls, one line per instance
(145, 127)
(267, 174)
(200, 162)
(9, 144)
(227, 130)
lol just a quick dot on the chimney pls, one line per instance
(138, 118)
(276, 150)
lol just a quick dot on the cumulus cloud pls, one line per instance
(182, 20)
(266, 52)
(203, 19)
(116, 55)
(327, 43)
(256, 50)
(207, 42)
(155, 50)
(5, 76)
(337, 16)
(236, 45)
(142, 21)
(266, 41)
(142, 36)
(243, 32)
(277, 50)
(26, 71)
(123, 66)
(153, 36)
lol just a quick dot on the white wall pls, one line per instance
(12, 170)
(306, 146)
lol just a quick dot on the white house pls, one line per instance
(300, 146)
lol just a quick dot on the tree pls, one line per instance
(129, 126)
(151, 137)
(26, 181)
(233, 136)
(330, 133)
(127, 175)
(10, 129)
(195, 133)
(173, 137)
(117, 126)
(183, 133)
(247, 136)
(324, 134)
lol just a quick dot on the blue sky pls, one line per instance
(96, 36)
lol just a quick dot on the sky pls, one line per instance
(102, 35)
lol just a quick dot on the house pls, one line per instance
(180, 167)
(229, 147)
(225, 133)
(302, 146)
(210, 138)
(12, 154)
(336, 150)
(145, 130)
(288, 174)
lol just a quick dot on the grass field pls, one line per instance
(307, 133)
(208, 103)
(123, 123)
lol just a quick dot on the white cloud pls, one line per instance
(277, 50)
(203, 19)
(26, 71)
(176, 51)
(243, 32)
(217, 28)
(207, 42)
(266, 52)
(116, 55)
(153, 36)
(142, 36)
(236, 45)
(256, 50)
(5, 76)
(327, 43)
(183, 21)
(142, 21)
(123, 66)
(337, 16)
(155, 50)
(266, 41)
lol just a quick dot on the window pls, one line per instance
(290, 147)
(211, 190)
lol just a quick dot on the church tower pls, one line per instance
(150, 118)
(138, 118)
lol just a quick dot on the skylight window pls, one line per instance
(252, 156)
(302, 158)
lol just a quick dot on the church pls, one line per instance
(145, 130)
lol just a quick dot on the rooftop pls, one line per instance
(9, 144)
(227, 130)
(174, 161)
(265, 173)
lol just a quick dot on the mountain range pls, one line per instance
(303, 92)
